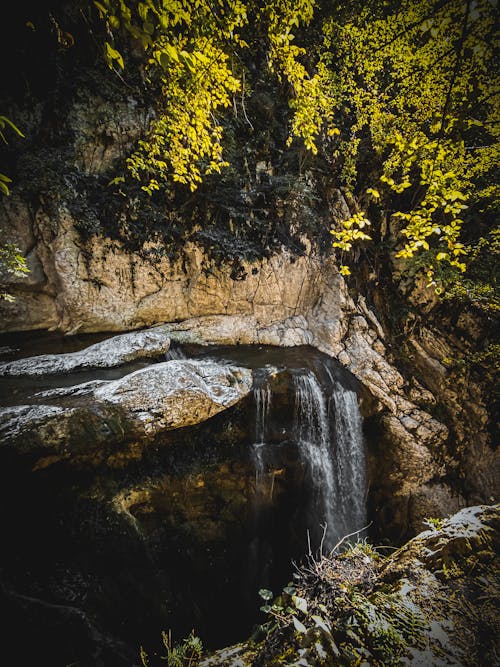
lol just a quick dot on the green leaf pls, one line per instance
(6, 121)
(102, 10)
(266, 594)
(112, 54)
(300, 603)
(300, 627)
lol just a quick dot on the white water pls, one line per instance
(327, 428)
(175, 353)
(350, 464)
(312, 430)
(262, 398)
(333, 454)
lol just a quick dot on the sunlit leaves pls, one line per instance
(11, 259)
(350, 230)
(409, 90)
(187, 48)
(188, 44)
(6, 123)
(417, 86)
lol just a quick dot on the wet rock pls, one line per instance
(169, 395)
(60, 429)
(21, 420)
(431, 603)
(76, 390)
(280, 300)
(464, 404)
(175, 393)
(112, 352)
(432, 500)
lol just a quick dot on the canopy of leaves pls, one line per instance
(414, 86)
(399, 98)
(194, 55)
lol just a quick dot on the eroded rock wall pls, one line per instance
(283, 300)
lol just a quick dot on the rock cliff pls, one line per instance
(93, 268)
(284, 300)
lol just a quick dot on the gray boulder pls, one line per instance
(106, 354)
(175, 393)
(160, 397)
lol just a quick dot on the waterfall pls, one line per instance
(312, 430)
(262, 398)
(350, 466)
(175, 353)
(329, 437)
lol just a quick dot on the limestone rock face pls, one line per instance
(101, 287)
(282, 300)
(465, 409)
(175, 393)
(106, 354)
(160, 397)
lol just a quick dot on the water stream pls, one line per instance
(315, 443)
(262, 398)
(350, 463)
(326, 428)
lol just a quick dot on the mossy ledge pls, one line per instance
(432, 602)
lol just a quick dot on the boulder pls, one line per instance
(160, 397)
(108, 353)
(175, 393)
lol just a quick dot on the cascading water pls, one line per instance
(216, 511)
(329, 436)
(262, 398)
(350, 465)
(175, 353)
(312, 431)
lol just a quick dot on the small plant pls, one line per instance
(187, 653)
(433, 523)
(361, 547)
(291, 609)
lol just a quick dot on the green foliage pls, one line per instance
(4, 124)
(290, 610)
(381, 628)
(351, 230)
(194, 52)
(401, 96)
(12, 262)
(434, 523)
(11, 259)
(479, 288)
(414, 84)
(185, 654)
